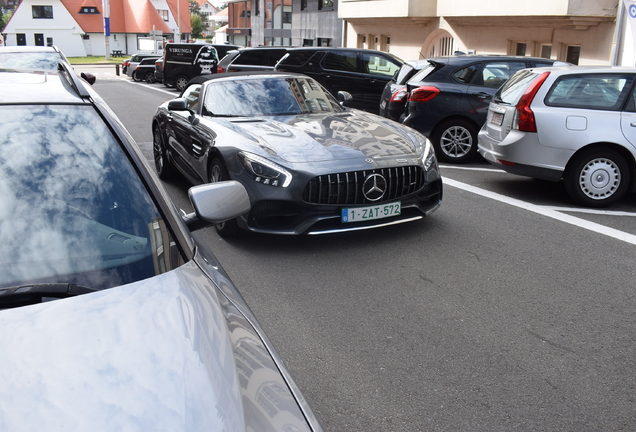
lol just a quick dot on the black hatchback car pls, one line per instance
(448, 99)
(361, 72)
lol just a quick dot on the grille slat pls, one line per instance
(346, 188)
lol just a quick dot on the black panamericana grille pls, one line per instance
(346, 188)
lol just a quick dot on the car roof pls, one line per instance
(245, 74)
(469, 58)
(41, 87)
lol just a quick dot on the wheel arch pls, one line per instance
(621, 150)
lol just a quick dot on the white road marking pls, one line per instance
(154, 87)
(471, 168)
(545, 211)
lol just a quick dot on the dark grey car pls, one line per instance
(309, 165)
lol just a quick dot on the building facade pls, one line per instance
(577, 31)
(284, 23)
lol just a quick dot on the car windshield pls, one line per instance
(30, 60)
(267, 97)
(72, 207)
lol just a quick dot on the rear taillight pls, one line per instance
(219, 69)
(399, 95)
(525, 117)
(423, 94)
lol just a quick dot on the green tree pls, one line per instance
(196, 22)
(194, 8)
(3, 21)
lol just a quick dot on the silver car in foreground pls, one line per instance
(115, 315)
(573, 123)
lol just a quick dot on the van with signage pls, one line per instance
(184, 61)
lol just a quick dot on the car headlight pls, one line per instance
(264, 171)
(428, 156)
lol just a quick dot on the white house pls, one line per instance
(77, 26)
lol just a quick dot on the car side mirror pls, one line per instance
(178, 104)
(344, 97)
(215, 203)
(88, 77)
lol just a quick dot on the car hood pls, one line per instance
(327, 137)
(169, 353)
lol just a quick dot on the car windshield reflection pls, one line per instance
(30, 60)
(271, 97)
(73, 208)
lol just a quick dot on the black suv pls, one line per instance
(361, 72)
(448, 99)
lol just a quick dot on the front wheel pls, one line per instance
(597, 177)
(218, 173)
(455, 141)
(165, 169)
(181, 82)
(149, 77)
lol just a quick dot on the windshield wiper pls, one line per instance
(31, 294)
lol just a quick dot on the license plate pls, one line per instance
(361, 214)
(497, 118)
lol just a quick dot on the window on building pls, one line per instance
(303, 5)
(21, 39)
(42, 11)
(324, 42)
(520, 49)
(164, 14)
(308, 42)
(546, 51)
(325, 4)
(89, 10)
(39, 39)
(86, 37)
(572, 54)
(257, 8)
(49, 41)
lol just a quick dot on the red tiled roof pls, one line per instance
(127, 16)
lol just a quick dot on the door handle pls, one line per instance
(633, 124)
(482, 95)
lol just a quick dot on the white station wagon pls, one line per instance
(573, 123)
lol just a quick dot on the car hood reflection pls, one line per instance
(167, 353)
(327, 137)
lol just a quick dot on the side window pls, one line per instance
(494, 74)
(341, 61)
(597, 91)
(465, 75)
(379, 65)
(273, 57)
(254, 57)
(191, 94)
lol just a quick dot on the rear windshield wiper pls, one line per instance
(31, 294)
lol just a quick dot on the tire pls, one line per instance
(149, 77)
(181, 82)
(597, 177)
(217, 173)
(455, 141)
(134, 77)
(165, 169)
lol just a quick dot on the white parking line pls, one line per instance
(471, 168)
(545, 211)
(153, 87)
